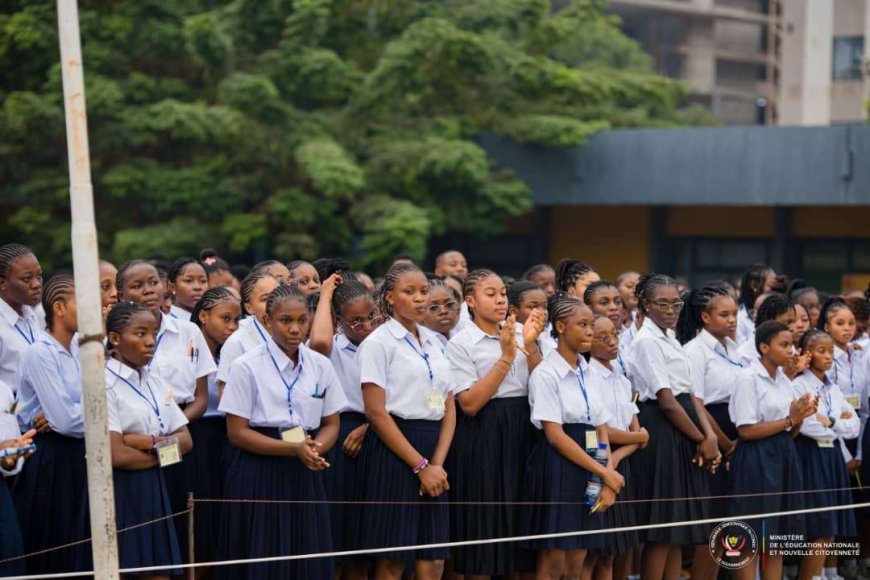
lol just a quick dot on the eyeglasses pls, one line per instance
(668, 307)
(449, 305)
(607, 338)
(356, 324)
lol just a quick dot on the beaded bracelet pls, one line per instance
(424, 463)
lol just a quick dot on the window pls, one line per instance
(848, 52)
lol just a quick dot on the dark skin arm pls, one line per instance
(799, 410)
(677, 416)
(130, 458)
(199, 405)
(322, 327)
(726, 445)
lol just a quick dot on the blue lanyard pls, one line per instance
(621, 365)
(259, 330)
(288, 386)
(424, 356)
(826, 396)
(851, 373)
(736, 364)
(156, 346)
(21, 332)
(581, 381)
(152, 403)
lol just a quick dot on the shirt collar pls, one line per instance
(759, 369)
(840, 354)
(126, 372)
(168, 323)
(342, 343)
(178, 313)
(477, 334)
(281, 359)
(656, 331)
(48, 339)
(9, 313)
(563, 369)
(711, 341)
(606, 372)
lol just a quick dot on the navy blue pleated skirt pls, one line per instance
(488, 456)
(719, 481)
(556, 486)
(622, 514)
(261, 530)
(342, 482)
(140, 496)
(11, 544)
(770, 467)
(53, 487)
(406, 518)
(206, 463)
(672, 488)
(179, 484)
(824, 469)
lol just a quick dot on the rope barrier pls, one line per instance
(370, 551)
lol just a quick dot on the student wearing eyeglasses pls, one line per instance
(442, 314)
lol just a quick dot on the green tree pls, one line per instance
(300, 128)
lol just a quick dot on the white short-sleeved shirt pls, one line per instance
(747, 353)
(344, 360)
(8, 424)
(140, 402)
(179, 313)
(391, 358)
(850, 375)
(745, 326)
(615, 390)
(248, 336)
(214, 397)
(17, 333)
(546, 340)
(626, 337)
(758, 398)
(832, 403)
(51, 384)
(181, 356)
(714, 367)
(556, 394)
(472, 355)
(262, 380)
(658, 361)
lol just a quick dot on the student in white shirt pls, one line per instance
(20, 293)
(188, 281)
(757, 280)
(493, 433)
(11, 543)
(809, 298)
(626, 283)
(304, 276)
(801, 323)
(256, 288)
(53, 486)
(407, 392)
(774, 306)
(682, 442)
(544, 277)
(766, 473)
(626, 437)
(573, 418)
(282, 401)
(147, 432)
(274, 268)
(442, 314)
(346, 315)
(181, 359)
(605, 300)
(573, 277)
(217, 315)
(818, 445)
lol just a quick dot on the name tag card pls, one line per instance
(591, 441)
(168, 452)
(825, 444)
(434, 400)
(293, 434)
(855, 401)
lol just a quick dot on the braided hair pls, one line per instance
(211, 298)
(347, 292)
(283, 293)
(179, 265)
(559, 307)
(519, 289)
(121, 314)
(260, 266)
(647, 286)
(772, 308)
(9, 253)
(295, 264)
(568, 271)
(831, 305)
(390, 279)
(595, 287)
(59, 288)
(125, 267)
(326, 267)
(753, 284)
(535, 270)
(249, 282)
(811, 336)
(697, 301)
(470, 284)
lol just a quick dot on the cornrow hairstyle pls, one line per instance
(283, 293)
(293, 265)
(249, 282)
(767, 332)
(326, 267)
(801, 292)
(568, 271)
(753, 284)
(180, 264)
(211, 298)
(9, 253)
(260, 266)
(647, 286)
(390, 278)
(773, 306)
(535, 270)
(470, 283)
(516, 292)
(810, 336)
(697, 301)
(121, 314)
(621, 278)
(830, 306)
(122, 272)
(594, 287)
(859, 307)
(59, 287)
(347, 292)
(436, 281)
(559, 307)
(313, 300)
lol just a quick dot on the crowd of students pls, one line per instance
(328, 411)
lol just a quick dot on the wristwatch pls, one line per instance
(832, 420)
(788, 423)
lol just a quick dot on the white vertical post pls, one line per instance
(87, 284)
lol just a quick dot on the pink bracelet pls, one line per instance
(424, 463)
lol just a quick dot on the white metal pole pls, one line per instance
(87, 284)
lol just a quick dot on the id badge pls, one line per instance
(168, 452)
(825, 444)
(293, 434)
(592, 440)
(434, 400)
(855, 401)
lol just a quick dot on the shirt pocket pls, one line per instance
(310, 409)
(179, 373)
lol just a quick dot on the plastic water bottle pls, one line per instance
(595, 483)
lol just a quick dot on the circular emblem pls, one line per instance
(733, 545)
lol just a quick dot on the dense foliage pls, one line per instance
(305, 127)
